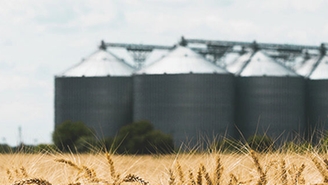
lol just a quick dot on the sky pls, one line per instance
(39, 39)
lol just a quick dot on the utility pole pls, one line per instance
(20, 140)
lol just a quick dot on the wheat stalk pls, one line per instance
(322, 171)
(218, 171)
(191, 178)
(69, 163)
(298, 176)
(113, 174)
(206, 175)
(233, 180)
(199, 176)
(32, 181)
(283, 176)
(9, 174)
(263, 178)
(172, 177)
(134, 178)
(180, 173)
(23, 172)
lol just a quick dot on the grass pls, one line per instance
(178, 169)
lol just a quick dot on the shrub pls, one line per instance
(68, 133)
(141, 138)
(227, 146)
(4, 148)
(260, 143)
(296, 147)
(86, 144)
(45, 148)
(323, 143)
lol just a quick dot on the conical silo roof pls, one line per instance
(100, 63)
(227, 59)
(307, 66)
(262, 65)
(124, 55)
(236, 65)
(321, 71)
(182, 60)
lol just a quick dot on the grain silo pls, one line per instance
(97, 91)
(317, 104)
(270, 99)
(186, 96)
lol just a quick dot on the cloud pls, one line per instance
(305, 5)
(297, 36)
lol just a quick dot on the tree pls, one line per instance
(68, 133)
(141, 138)
(4, 148)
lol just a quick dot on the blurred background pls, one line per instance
(39, 39)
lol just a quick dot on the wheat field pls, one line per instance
(207, 168)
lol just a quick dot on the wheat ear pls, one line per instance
(233, 180)
(262, 180)
(322, 171)
(283, 177)
(134, 178)
(298, 176)
(23, 172)
(172, 177)
(9, 174)
(113, 174)
(199, 176)
(191, 178)
(69, 163)
(180, 173)
(32, 181)
(206, 175)
(218, 170)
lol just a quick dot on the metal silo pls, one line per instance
(270, 99)
(186, 96)
(98, 92)
(317, 88)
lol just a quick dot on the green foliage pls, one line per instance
(323, 143)
(68, 133)
(45, 148)
(141, 138)
(4, 149)
(260, 143)
(227, 146)
(87, 144)
(293, 147)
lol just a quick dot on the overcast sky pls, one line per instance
(41, 38)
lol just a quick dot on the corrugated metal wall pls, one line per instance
(317, 107)
(102, 103)
(271, 105)
(188, 106)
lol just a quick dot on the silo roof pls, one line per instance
(235, 66)
(181, 60)
(306, 67)
(262, 65)
(228, 58)
(321, 71)
(100, 63)
(124, 55)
